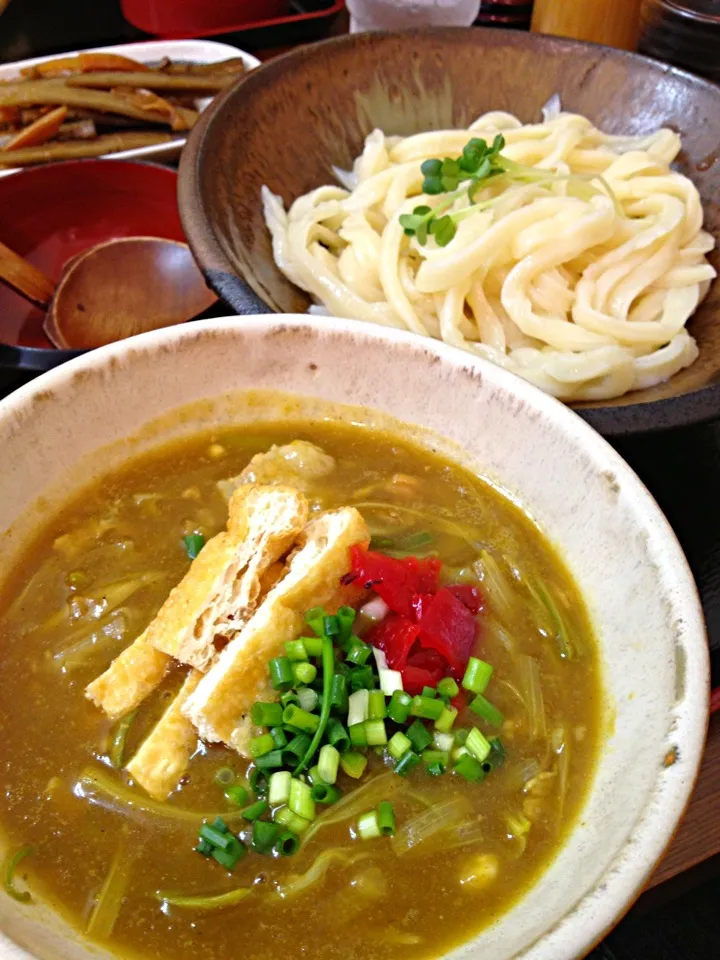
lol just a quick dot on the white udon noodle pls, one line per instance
(582, 291)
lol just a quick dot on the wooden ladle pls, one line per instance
(113, 290)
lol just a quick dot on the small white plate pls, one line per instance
(150, 51)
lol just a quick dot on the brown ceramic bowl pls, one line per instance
(286, 123)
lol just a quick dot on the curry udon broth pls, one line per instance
(462, 852)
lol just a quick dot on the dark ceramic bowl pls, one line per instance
(286, 123)
(51, 213)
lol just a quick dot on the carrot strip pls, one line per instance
(84, 63)
(42, 130)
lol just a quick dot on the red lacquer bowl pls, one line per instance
(168, 18)
(51, 213)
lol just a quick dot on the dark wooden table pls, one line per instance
(681, 469)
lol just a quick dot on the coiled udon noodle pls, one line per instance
(581, 283)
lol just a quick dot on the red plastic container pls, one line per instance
(169, 18)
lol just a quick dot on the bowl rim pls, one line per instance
(245, 296)
(579, 930)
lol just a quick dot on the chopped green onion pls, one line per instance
(314, 775)
(279, 788)
(308, 698)
(346, 619)
(328, 665)
(281, 674)
(427, 708)
(258, 782)
(353, 764)
(390, 681)
(362, 678)
(469, 768)
(237, 795)
(217, 837)
(325, 793)
(358, 707)
(486, 711)
(437, 761)
(256, 810)
(477, 745)
(358, 652)
(386, 818)
(419, 735)
(406, 763)
(376, 705)
(264, 836)
(368, 826)
(337, 735)
(287, 844)
(300, 800)
(290, 696)
(430, 692)
(460, 736)
(477, 675)
(380, 658)
(313, 646)
(298, 746)
(315, 619)
(231, 855)
(300, 719)
(445, 721)
(338, 693)
(204, 847)
(295, 650)
(10, 868)
(358, 737)
(496, 757)
(225, 776)
(398, 745)
(331, 626)
(448, 688)
(303, 672)
(270, 761)
(444, 741)
(292, 821)
(117, 747)
(279, 737)
(399, 707)
(194, 542)
(259, 746)
(375, 733)
(328, 763)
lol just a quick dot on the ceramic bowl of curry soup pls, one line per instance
(525, 824)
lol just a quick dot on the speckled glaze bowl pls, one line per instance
(288, 122)
(621, 550)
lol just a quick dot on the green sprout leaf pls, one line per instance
(443, 229)
(433, 185)
(431, 168)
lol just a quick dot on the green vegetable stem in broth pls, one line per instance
(415, 763)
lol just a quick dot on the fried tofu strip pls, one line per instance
(134, 674)
(140, 668)
(221, 588)
(220, 705)
(164, 756)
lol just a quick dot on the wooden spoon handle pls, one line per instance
(24, 278)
